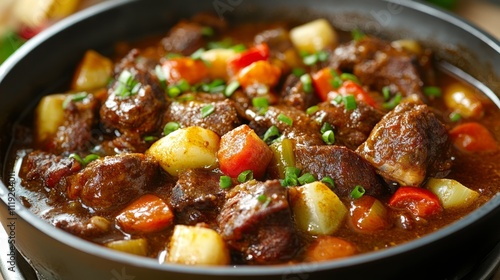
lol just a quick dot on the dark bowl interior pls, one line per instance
(45, 64)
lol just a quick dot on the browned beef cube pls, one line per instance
(222, 120)
(377, 64)
(293, 94)
(303, 130)
(408, 145)
(344, 166)
(197, 196)
(109, 183)
(184, 38)
(351, 127)
(256, 221)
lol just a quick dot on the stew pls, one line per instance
(258, 143)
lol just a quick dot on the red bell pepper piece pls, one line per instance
(419, 201)
(473, 137)
(242, 60)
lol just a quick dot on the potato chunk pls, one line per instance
(217, 59)
(197, 245)
(49, 116)
(317, 209)
(186, 148)
(93, 72)
(134, 246)
(313, 36)
(451, 193)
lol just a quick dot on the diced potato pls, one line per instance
(49, 116)
(133, 246)
(217, 60)
(412, 46)
(198, 246)
(313, 36)
(93, 72)
(35, 13)
(451, 193)
(190, 147)
(317, 209)
(462, 99)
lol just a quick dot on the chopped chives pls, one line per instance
(271, 134)
(391, 104)
(349, 77)
(386, 92)
(284, 118)
(322, 55)
(455, 117)
(89, 158)
(306, 179)
(338, 99)
(207, 31)
(329, 181)
(311, 110)
(183, 85)
(357, 34)
(231, 88)
(198, 53)
(239, 48)
(245, 176)
(161, 76)
(357, 192)
(310, 59)
(291, 176)
(170, 127)
(336, 82)
(350, 102)
(225, 182)
(264, 199)
(325, 127)
(297, 72)
(261, 103)
(207, 110)
(306, 83)
(127, 85)
(149, 138)
(328, 137)
(80, 96)
(432, 91)
(174, 91)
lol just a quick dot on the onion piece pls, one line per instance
(451, 193)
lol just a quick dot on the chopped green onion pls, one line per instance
(127, 85)
(225, 182)
(284, 118)
(391, 104)
(349, 77)
(207, 110)
(357, 34)
(357, 192)
(455, 117)
(173, 55)
(9, 44)
(432, 91)
(170, 127)
(291, 176)
(74, 98)
(310, 59)
(264, 199)
(238, 48)
(350, 102)
(149, 138)
(322, 55)
(328, 137)
(306, 83)
(338, 99)
(386, 92)
(311, 110)
(297, 72)
(329, 181)
(217, 85)
(89, 158)
(271, 134)
(325, 127)
(207, 31)
(161, 76)
(174, 91)
(231, 88)
(261, 103)
(198, 53)
(336, 82)
(306, 179)
(245, 176)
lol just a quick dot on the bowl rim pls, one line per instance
(151, 263)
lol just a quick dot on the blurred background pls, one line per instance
(20, 20)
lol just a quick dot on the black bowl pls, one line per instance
(45, 64)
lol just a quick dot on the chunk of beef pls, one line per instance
(197, 197)
(75, 135)
(188, 113)
(42, 169)
(408, 145)
(184, 38)
(109, 183)
(378, 64)
(351, 127)
(303, 130)
(137, 111)
(293, 94)
(344, 166)
(256, 221)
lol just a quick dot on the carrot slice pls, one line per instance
(259, 72)
(148, 213)
(368, 214)
(473, 137)
(185, 68)
(327, 247)
(241, 149)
